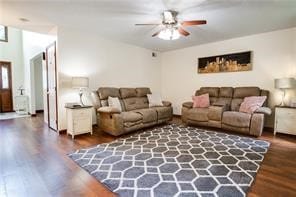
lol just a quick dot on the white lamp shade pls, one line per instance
(284, 83)
(79, 82)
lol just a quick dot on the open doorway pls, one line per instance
(38, 81)
(23, 53)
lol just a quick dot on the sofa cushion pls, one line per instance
(226, 92)
(131, 116)
(142, 92)
(235, 104)
(212, 91)
(202, 101)
(111, 110)
(215, 112)
(163, 112)
(252, 103)
(135, 103)
(198, 114)
(223, 101)
(242, 92)
(105, 92)
(114, 102)
(127, 92)
(149, 115)
(237, 119)
(264, 110)
(265, 93)
(188, 104)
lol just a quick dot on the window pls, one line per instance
(3, 34)
(5, 78)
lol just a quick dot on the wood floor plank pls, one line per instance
(34, 162)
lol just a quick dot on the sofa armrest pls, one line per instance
(188, 105)
(216, 112)
(166, 103)
(263, 110)
(110, 110)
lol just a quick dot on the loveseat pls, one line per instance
(136, 113)
(223, 111)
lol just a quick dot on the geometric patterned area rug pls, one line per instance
(175, 160)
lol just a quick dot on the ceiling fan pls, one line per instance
(172, 28)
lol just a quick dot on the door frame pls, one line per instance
(56, 89)
(10, 83)
(32, 83)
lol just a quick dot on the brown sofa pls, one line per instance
(224, 110)
(135, 114)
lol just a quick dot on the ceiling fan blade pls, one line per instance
(147, 24)
(195, 22)
(183, 32)
(156, 34)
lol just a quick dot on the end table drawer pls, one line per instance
(285, 119)
(81, 113)
(82, 125)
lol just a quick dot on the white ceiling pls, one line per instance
(115, 19)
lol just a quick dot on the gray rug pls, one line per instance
(175, 161)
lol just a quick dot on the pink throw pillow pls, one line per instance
(201, 101)
(252, 103)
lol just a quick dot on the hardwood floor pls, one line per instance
(33, 162)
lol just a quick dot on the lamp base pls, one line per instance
(283, 98)
(80, 96)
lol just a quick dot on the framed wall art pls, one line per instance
(234, 62)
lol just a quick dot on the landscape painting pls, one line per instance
(225, 63)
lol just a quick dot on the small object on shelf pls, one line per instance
(21, 104)
(79, 120)
(21, 89)
(285, 118)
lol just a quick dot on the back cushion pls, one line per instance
(105, 92)
(135, 103)
(235, 104)
(212, 91)
(226, 92)
(265, 93)
(134, 98)
(127, 92)
(225, 96)
(142, 92)
(242, 92)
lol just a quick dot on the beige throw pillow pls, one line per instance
(154, 100)
(114, 102)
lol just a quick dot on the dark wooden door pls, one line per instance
(5, 87)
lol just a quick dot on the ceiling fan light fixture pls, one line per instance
(169, 34)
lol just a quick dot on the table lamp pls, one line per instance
(80, 83)
(283, 84)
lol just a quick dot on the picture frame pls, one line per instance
(233, 62)
(3, 33)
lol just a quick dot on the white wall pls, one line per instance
(273, 57)
(12, 51)
(33, 44)
(105, 62)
